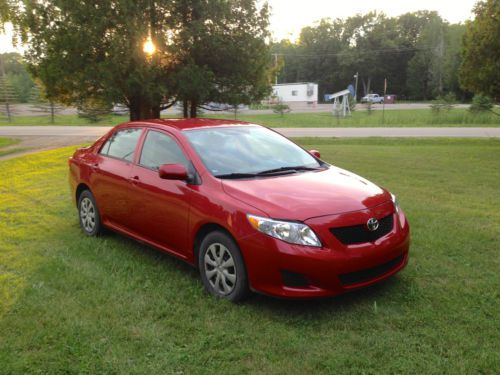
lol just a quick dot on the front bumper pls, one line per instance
(332, 269)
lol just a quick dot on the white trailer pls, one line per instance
(296, 93)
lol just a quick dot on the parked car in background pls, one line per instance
(120, 109)
(372, 98)
(246, 206)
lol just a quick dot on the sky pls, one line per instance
(289, 16)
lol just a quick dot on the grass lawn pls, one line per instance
(392, 118)
(72, 304)
(6, 142)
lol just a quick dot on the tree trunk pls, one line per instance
(185, 108)
(142, 110)
(194, 109)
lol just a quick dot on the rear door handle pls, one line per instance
(134, 179)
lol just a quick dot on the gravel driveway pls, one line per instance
(37, 138)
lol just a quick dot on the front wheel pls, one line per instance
(222, 268)
(90, 220)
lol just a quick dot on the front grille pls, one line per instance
(369, 273)
(360, 233)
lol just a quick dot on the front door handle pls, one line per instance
(134, 179)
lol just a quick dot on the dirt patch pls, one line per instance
(30, 144)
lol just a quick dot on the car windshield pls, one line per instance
(246, 151)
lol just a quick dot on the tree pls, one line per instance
(40, 103)
(426, 68)
(93, 51)
(417, 52)
(480, 69)
(224, 57)
(17, 75)
(5, 12)
(7, 97)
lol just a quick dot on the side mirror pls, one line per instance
(173, 172)
(315, 153)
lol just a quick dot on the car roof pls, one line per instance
(190, 123)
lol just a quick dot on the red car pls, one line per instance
(248, 207)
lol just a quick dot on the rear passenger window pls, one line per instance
(159, 149)
(122, 144)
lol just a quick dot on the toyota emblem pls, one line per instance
(372, 224)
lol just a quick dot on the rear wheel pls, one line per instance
(90, 220)
(222, 268)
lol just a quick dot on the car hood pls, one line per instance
(304, 195)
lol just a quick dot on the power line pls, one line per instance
(362, 52)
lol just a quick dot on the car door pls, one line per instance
(161, 212)
(111, 173)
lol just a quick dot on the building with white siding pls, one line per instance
(296, 93)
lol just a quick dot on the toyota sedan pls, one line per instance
(249, 208)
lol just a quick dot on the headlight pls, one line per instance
(396, 203)
(287, 231)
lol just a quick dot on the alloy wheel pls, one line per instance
(220, 269)
(87, 214)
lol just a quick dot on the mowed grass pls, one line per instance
(457, 117)
(73, 304)
(391, 118)
(5, 144)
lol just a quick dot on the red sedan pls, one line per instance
(248, 207)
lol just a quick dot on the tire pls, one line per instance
(222, 268)
(88, 213)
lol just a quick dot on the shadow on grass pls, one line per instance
(309, 309)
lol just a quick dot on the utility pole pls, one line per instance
(356, 87)
(276, 68)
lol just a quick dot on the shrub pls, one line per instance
(281, 108)
(443, 103)
(481, 103)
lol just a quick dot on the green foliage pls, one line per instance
(481, 103)
(17, 76)
(419, 53)
(42, 104)
(7, 98)
(352, 103)
(206, 51)
(443, 103)
(480, 70)
(94, 111)
(5, 12)
(281, 108)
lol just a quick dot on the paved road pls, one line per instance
(37, 138)
(96, 131)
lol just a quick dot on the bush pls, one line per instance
(443, 103)
(281, 108)
(352, 103)
(94, 110)
(481, 103)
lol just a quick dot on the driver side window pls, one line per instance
(158, 149)
(121, 145)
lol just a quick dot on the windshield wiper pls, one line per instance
(236, 175)
(290, 169)
(269, 172)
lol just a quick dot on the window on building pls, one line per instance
(295, 93)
